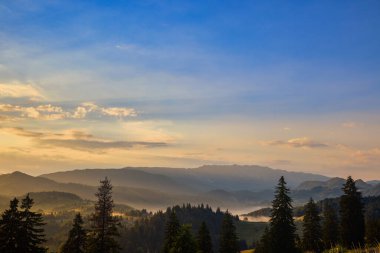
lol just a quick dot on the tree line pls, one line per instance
(21, 229)
(179, 239)
(319, 231)
(148, 234)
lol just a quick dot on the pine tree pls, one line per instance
(10, 226)
(104, 227)
(312, 235)
(282, 228)
(204, 244)
(184, 242)
(264, 244)
(172, 229)
(77, 237)
(352, 218)
(228, 239)
(330, 229)
(32, 233)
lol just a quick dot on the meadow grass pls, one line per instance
(340, 249)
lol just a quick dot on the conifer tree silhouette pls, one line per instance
(172, 229)
(330, 231)
(228, 238)
(77, 237)
(104, 226)
(10, 228)
(32, 231)
(280, 237)
(312, 231)
(204, 243)
(184, 242)
(352, 225)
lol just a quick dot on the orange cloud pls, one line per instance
(20, 91)
(78, 140)
(50, 112)
(303, 142)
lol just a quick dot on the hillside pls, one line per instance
(18, 184)
(128, 177)
(230, 187)
(60, 202)
(330, 189)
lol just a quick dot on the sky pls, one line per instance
(292, 85)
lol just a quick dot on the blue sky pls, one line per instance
(256, 65)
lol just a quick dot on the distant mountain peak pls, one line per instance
(18, 174)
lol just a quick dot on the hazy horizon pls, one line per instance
(288, 85)
(185, 168)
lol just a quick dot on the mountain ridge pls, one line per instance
(225, 186)
(204, 178)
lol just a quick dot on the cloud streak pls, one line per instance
(51, 112)
(303, 142)
(349, 124)
(89, 145)
(79, 140)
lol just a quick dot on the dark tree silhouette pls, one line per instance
(148, 235)
(104, 227)
(184, 242)
(228, 239)
(204, 244)
(330, 229)
(351, 216)
(32, 233)
(312, 231)
(372, 223)
(172, 229)
(372, 231)
(282, 228)
(10, 225)
(77, 237)
(263, 245)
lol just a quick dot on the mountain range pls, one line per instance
(229, 186)
(204, 178)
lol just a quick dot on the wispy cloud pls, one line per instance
(303, 142)
(349, 124)
(90, 145)
(366, 156)
(19, 131)
(46, 112)
(78, 140)
(118, 111)
(17, 90)
(51, 112)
